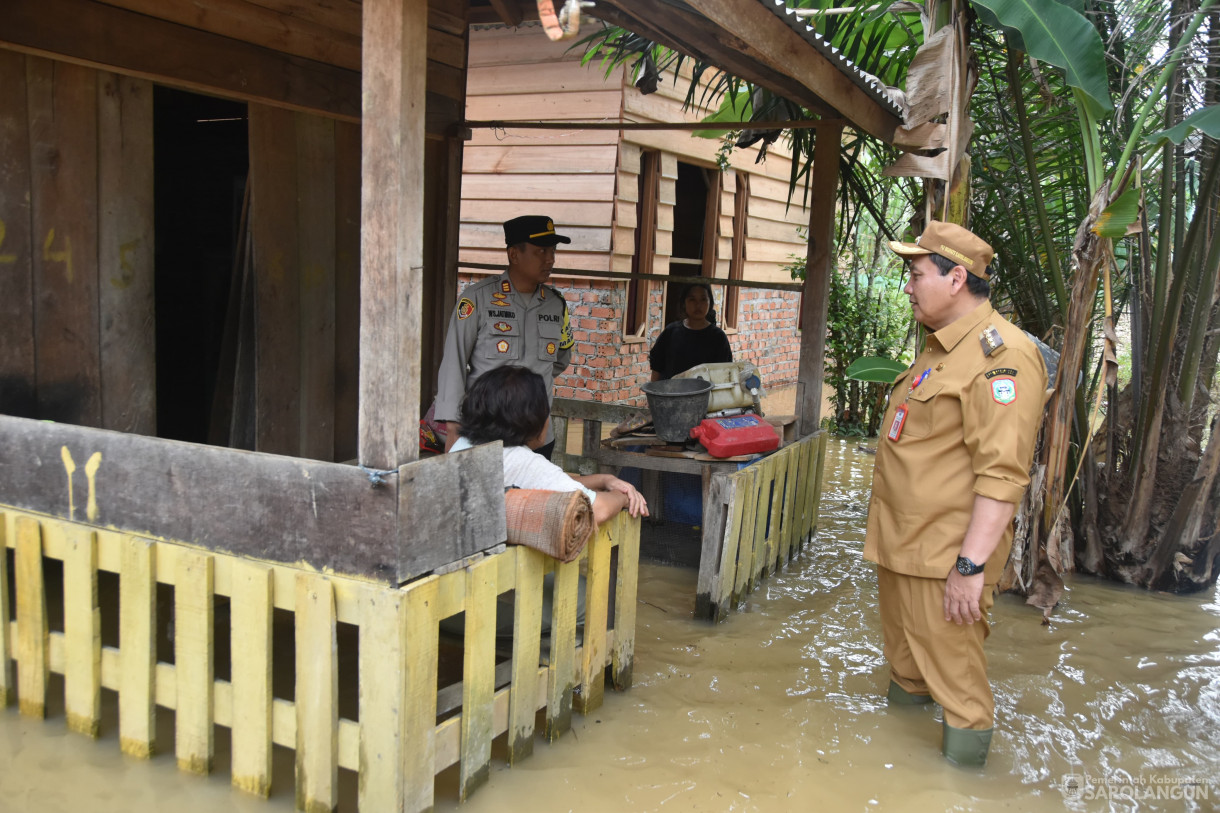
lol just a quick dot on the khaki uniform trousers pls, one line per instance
(929, 655)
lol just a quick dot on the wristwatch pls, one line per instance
(967, 567)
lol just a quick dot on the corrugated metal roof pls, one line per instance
(865, 81)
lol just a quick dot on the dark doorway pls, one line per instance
(201, 159)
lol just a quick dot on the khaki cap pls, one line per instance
(952, 242)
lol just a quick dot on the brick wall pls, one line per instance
(608, 369)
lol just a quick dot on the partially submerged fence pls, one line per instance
(761, 516)
(87, 608)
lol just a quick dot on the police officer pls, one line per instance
(515, 318)
(952, 464)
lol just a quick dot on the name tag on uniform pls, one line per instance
(900, 418)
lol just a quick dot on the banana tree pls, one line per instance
(1137, 524)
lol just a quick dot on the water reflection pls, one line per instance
(781, 708)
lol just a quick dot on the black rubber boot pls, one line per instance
(966, 747)
(899, 696)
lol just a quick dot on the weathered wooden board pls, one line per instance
(347, 288)
(315, 143)
(257, 505)
(63, 169)
(274, 229)
(125, 261)
(137, 45)
(16, 244)
(452, 507)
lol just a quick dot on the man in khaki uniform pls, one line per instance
(513, 318)
(952, 464)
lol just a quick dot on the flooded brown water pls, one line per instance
(781, 708)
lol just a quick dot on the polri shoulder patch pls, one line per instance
(999, 371)
(465, 308)
(991, 340)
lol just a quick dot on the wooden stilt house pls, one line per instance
(228, 248)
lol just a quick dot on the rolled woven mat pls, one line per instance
(558, 523)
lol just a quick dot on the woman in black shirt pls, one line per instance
(693, 340)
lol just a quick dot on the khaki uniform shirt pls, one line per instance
(970, 428)
(494, 325)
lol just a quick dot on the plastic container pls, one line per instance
(734, 384)
(741, 434)
(677, 405)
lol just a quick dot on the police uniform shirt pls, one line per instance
(494, 325)
(970, 427)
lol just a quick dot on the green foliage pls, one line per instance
(873, 369)
(1206, 120)
(867, 316)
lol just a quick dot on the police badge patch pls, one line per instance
(502, 346)
(465, 308)
(1004, 390)
(503, 327)
(550, 348)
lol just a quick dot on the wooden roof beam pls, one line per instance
(114, 39)
(509, 12)
(769, 40)
(695, 35)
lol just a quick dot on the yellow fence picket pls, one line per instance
(8, 692)
(32, 635)
(626, 587)
(597, 605)
(527, 637)
(383, 650)
(82, 631)
(819, 467)
(746, 538)
(419, 759)
(478, 676)
(137, 645)
(194, 661)
(251, 609)
(561, 676)
(317, 695)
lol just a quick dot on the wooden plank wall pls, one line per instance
(303, 169)
(76, 245)
(406, 731)
(571, 176)
(772, 223)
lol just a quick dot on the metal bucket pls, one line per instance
(677, 406)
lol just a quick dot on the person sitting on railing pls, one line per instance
(509, 404)
(692, 340)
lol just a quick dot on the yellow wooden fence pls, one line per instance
(763, 515)
(407, 730)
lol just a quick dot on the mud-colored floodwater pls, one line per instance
(1113, 706)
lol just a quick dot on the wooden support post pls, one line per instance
(394, 72)
(137, 646)
(317, 695)
(819, 265)
(7, 689)
(32, 634)
(527, 636)
(252, 608)
(194, 661)
(82, 632)
(478, 676)
(711, 558)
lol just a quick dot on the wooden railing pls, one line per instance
(405, 730)
(763, 515)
